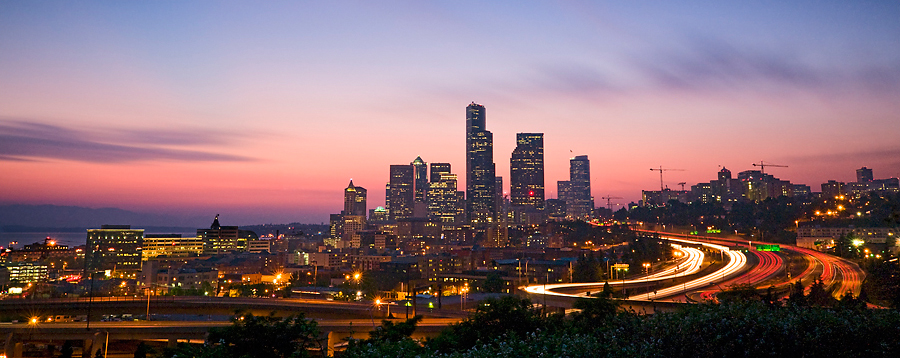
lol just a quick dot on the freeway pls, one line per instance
(691, 264)
(114, 326)
(736, 262)
(840, 275)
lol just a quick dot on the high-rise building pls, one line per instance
(480, 179)
(401, 195)
(443, 200)
(222, 239)
(526, 171)
(113, 248)
(501, 202)
(420, 170)
(864, 175)
(438, 169)
(170, 245)
(580, 203)
(354, 200)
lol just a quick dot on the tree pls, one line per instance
(797, 297)
(493, 283)
(388, 340)
(492, 319)
(142, 350)
(595, 312)
(252, 336)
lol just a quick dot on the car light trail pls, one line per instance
(689, 266)
(737, 261)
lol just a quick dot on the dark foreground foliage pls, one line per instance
(512, 327)
(738, 329)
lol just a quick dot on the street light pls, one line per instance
(647, 278)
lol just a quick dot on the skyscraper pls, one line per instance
(864, 175)
(354, 200)
(437, 169)
(526, 171)
(442, 200)
(401, 195)
(480, 188)
(114, 248)
(420, 170)
(580, 203)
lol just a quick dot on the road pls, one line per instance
(839, 275)
(736, 262)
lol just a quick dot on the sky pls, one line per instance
(263, 112)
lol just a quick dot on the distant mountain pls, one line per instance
(28, 217)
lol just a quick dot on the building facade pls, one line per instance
(526, 171)
(114, 248)
(354, 200)
(480, 171)
(401, 193)
(579, 203)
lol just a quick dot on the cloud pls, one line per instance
(705, 64)
(30, 141)
(889, 155)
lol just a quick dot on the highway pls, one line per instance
(839, 275)
(736, 262)
(688, 266)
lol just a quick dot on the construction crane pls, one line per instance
(608, 203)
(762, 165)
(682, 185)
(661, 170)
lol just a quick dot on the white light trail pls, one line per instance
(692, 264)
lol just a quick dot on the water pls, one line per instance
(71, 239)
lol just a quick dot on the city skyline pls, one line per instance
(104, 106)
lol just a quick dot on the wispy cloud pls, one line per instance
(31, 141)
(708, 64)
(890, 156)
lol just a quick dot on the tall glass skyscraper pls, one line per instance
(420, 169)
(580, 203)
(354, 200)
(401, 196)
(480, 188)
(526, 171)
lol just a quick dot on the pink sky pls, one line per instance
(265, 113)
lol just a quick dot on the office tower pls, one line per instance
(580, 203)
(480, 179)
(401, 194)
(500, 200)
(526, 171)
(114, 248)
(170, 245)
(221, 239)
(564, 191)
(387, 197)
(442, 200)
(354, 200)
(864, 175)
(438, 169)
(351, 227)
(336, 226)
(420, 170)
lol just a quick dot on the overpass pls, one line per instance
(100, 334)
(200, 306)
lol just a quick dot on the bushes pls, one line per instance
(740, 329)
